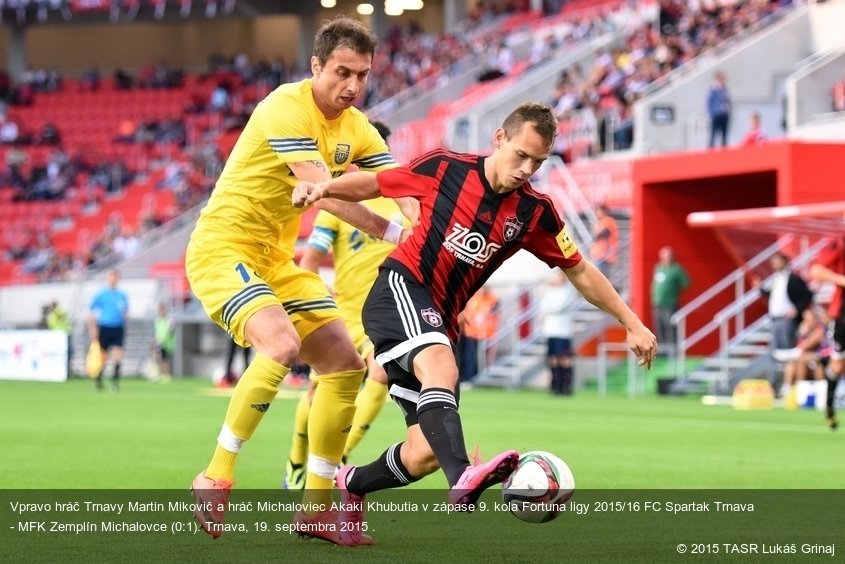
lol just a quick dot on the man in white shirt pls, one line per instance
(788, 297)
(557, 305)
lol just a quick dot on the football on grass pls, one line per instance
(539, 488)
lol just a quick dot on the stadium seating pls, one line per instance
(88, 122)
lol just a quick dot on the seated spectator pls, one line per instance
(220, 100)
(756, 135)
(90, 80)
(49, 134)
(499, 64)
(9, 132)
(127, 244)
(126, 131)
(123, 80)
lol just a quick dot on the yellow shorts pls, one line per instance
(235, 277)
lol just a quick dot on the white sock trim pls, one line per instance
(228, 440)
(322, 467)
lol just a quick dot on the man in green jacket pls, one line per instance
(669, 280)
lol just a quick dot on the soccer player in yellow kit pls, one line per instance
(357, 257)
(240, 265)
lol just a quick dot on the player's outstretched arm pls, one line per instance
(315, 184)
(824, 274)
(598, 290)
(352, 187)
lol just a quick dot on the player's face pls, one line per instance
(519, 157)
(341, 80)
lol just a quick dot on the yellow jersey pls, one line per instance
(357, 256)
(252, 198)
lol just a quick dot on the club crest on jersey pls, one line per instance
(432, 317)
(341, 153)
(512, 228)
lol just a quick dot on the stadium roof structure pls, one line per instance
(744, 231)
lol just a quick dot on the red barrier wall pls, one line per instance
(668, 188)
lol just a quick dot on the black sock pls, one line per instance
(386, 472)
(566, 378)
(556, 383)
(831, 392)
(116, 375)
(437, 412)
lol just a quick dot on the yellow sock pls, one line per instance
(299, 440)
(368, 404)
(222, 464)
(252, 397)
(329, 423)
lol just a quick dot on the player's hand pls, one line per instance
(406, 234)
(306, 193)
(643, 343)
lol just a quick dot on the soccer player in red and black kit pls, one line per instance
(475, 213)
(830, 267)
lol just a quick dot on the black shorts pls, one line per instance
(558, 346)
(400, 318)
(110, 337)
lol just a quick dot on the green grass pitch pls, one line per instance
(158, 436)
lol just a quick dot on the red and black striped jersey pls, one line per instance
(467, 230)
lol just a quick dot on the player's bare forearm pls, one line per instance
(311, 171)
(311, 259)
(824, 274)
(410, 208)
(356, 215)
(598, 290)
(352, 187)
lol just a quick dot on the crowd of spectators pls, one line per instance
(602, 95)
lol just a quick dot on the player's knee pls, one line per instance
(283, 349)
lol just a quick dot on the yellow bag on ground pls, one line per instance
(94, 360)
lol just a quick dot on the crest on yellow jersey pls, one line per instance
(341, 153)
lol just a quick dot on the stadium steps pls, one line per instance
(719, 374)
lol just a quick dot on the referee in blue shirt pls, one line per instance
(107, 324)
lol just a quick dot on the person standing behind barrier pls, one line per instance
(719, 109)
(164, 332)
(669, 280)
(229, 378)
(830, 268)
(58, 320)
(788, 297)
(556, 306)
(107, 325)
(479, 323)
(605, 240)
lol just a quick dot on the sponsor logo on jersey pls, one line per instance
(432, 317)
(341, 153)
(512, 228)
(469, 246)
